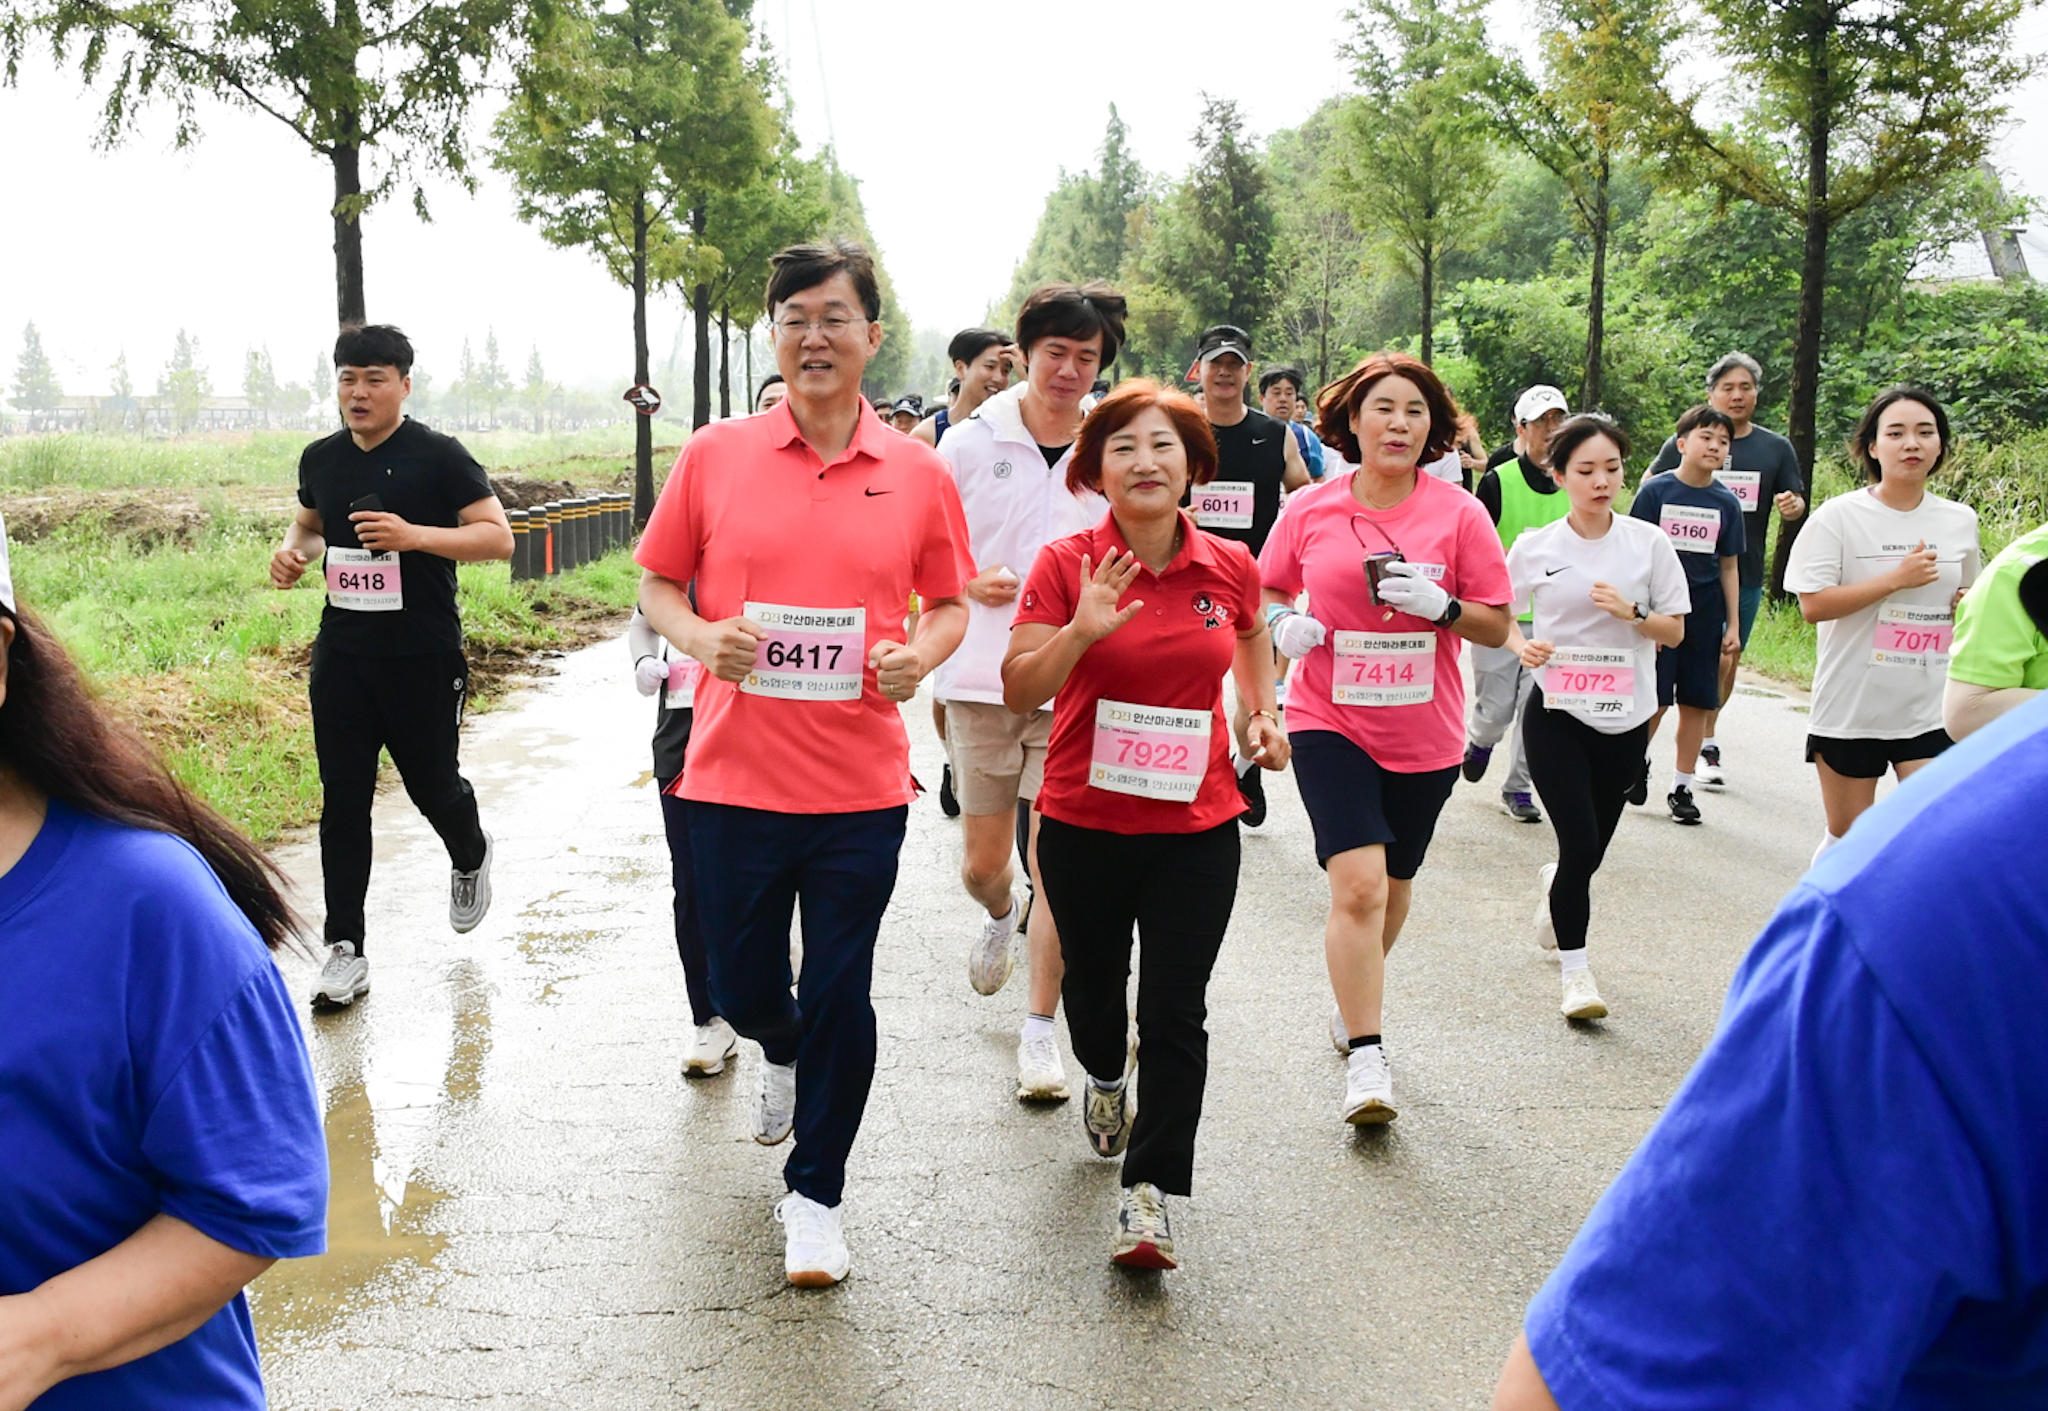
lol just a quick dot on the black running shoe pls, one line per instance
(1252, 789)
(948, 804)
(1639, 792)
(1476, 759)
(1683, 809)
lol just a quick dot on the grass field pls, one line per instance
(149, 561)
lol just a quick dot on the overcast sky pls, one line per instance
(956, 118)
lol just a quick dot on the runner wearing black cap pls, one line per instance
(393, 507)
(907, 413)
(1256, 459)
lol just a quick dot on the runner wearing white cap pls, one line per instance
(1520, 495)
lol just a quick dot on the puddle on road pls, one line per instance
(379, 1126)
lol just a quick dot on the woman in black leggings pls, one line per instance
(1606, 590)
(1129, 628)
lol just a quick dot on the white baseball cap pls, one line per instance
(1537, 400)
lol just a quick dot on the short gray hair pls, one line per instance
(1728, 363)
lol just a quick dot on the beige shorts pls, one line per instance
(998, 758)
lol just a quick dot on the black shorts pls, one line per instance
(1689, 674)
(1868, 759)
(1353, 802)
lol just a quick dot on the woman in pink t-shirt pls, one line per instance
(1399, 569)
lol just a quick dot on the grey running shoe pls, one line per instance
(1521, 807)
(775, 1103)
(469, 893)
(1108, 1116)
(344, 978)
(1143, 1238)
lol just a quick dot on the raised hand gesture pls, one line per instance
(1095, 610)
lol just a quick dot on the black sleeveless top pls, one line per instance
(1254, 453)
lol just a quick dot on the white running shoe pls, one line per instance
(1368, 1087)
(1340, 1032)
(994, 955)
(343, 979)
(1581, 999)
(814, 1244)
(1546, 932)
(1708, 770)
(775, 1104)
(711, 1045)
(1040, 1075)
(469, 893)
(1143, 1238)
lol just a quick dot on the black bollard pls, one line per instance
(517, 519)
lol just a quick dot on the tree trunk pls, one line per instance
(700, 312)
(348, 233)
(1802, 402)
(643, 426)
(724, 360)
(1428, 263)
(1596, 301)
(750, 367)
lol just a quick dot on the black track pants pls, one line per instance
(1583, 778)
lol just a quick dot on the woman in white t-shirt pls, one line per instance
(1606, 591)
(1881, 569)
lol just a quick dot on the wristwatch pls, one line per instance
(1641, 616)
(1451, 614)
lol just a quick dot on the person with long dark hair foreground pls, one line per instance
(1128, 628)
(160, 1141)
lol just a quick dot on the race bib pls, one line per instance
(364, 580)
(1382, 669)
(1746, 485)
(1149, 751)
(812, 654)
(1596, 680)
(1223, 504)
(1692, 530)
(1913, 636)
(682, 683)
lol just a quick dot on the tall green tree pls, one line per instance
(259, 382)
(1084, 231)
(184, 382)
(1850, 102)
(1575, 117)
(378, 89)
(888, 372)
(624, 120)
(743, 227)
(1415, 163)
(1318, 276)
(1215, 241)
(35, 376)
(535, 392)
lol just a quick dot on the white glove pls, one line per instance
(1403, 586)
(650, 674)
(1297, 634)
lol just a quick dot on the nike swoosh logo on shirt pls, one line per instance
(1548, 572)
(878, 492)
(1260, 440)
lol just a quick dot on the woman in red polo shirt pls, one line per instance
(1400, 570)
(1128, 628)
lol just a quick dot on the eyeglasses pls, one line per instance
(832, 325)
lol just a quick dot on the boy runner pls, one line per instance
(1763, 471)
(393, 507)
(1703, 520)
(1280, 398)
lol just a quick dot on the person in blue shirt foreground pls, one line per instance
(160, 1141)
(1846, 1204)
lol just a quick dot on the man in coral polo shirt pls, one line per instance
(806, 530)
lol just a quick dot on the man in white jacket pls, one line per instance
(1010, 462)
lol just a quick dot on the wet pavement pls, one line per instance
(530, 1206)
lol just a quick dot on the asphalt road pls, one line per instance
(531, 1206)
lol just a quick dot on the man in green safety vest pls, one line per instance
(1520, 495)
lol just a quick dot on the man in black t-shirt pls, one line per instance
(1256, 459)
(392, 507)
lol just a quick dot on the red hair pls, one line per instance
(1340, 402)
(1123, 406)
